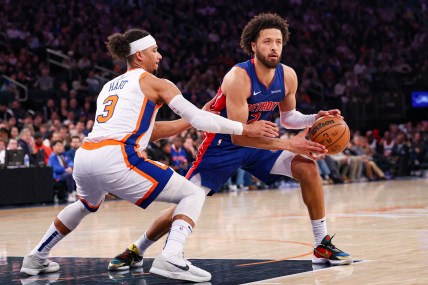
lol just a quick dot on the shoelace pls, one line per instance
(185, 260)
(125, 254)
(332, 246)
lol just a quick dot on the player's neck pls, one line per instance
(264, 74)
(135, 65)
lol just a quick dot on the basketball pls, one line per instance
(331, 132)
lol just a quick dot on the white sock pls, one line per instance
(51, 238)
(178, 234)
(143, 243)
(319, 228)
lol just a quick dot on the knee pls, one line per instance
(304, 169)
(200, 194)
(195, 191)
(72, 215)
(191, 205)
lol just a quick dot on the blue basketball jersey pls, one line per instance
(218, 157)
(263, 99)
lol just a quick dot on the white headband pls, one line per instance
(142, 44)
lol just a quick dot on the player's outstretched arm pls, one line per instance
(163, 91)
(166, 129)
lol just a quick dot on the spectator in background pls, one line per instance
(63, 109)
(88, 127)
(64, 135)
(79, 130)
(73, 106)
(26, 142)
(4, 134)
(48, 109)
(362, 149)
(155, 151)
(418, 151)
(5, 112)
(41, 151)
(190, 149)
(12, 122)
(43, 130)
(324, 170)
(2, 152)
(13, 144)
(179, 156)
(75, 142)
(400, 155)
(94, 85)
(37, 122)
(62, 167)
(387, 144)
(44, 82)
(166, 149)
(18, 111)
(63, 91)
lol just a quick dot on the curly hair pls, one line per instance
(118, 44)
(261, 22)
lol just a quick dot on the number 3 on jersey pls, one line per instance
(109, 105)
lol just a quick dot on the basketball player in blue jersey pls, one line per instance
(250, 92)
(110, 159)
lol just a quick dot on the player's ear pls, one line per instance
(139, 55)
(253, 46)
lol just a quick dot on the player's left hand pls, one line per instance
(333, 113)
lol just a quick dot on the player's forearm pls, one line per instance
(261, 142)
(202, 120)
(165, 129)
(295, 120)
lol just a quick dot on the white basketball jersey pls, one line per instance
(123, 112)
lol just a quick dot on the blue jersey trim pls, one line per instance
(157, 173)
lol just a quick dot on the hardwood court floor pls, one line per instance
(382, 224)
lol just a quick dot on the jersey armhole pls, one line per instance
(249, 77)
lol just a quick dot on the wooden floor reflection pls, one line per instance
(383, 224)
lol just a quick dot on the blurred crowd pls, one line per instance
(380, 55)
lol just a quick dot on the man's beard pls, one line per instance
(266, 62)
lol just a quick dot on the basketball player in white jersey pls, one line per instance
(110, 157)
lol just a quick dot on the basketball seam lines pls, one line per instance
(341, 136)
(327, 129)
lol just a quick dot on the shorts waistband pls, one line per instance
(96, 145)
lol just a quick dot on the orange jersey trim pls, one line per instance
(89, 204)
(96, 145)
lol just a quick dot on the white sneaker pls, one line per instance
(176, 267)
(72, 197)
(48, 278)
(233, 188)
(32, 265)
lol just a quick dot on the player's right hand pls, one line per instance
(209, 106)
(300, 145)
(261, 129)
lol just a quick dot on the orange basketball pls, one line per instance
(331, 132)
